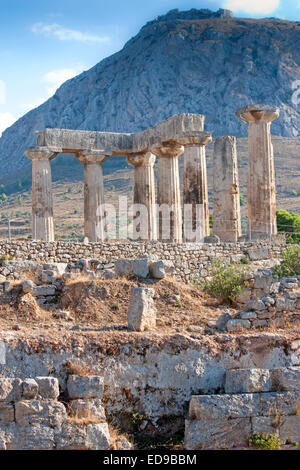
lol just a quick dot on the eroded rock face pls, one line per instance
(190, 62)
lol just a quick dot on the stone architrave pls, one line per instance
(144, 190)
(42, 201)
(261, 174)
(226, 208)
(94, 228)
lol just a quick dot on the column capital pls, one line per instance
(199, 139)
(92, 156)
(168, 149)
(258, 112)
(142, 159)
(42, 153)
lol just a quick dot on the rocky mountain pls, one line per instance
(196, 61)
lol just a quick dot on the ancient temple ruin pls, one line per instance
(181, 133)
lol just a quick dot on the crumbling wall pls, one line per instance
(32, 417)
(190, 259)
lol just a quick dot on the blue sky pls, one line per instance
(43, 43)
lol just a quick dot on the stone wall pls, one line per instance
(32, 418)
(190, 259)
(255, 401)
(269, 301)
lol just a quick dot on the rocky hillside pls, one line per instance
(196, 61)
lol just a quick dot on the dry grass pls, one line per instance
(83, 419)
(116, 437)
(78, 368)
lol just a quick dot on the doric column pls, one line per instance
(195, 181)
(42, 201)
(144, 189)
(93, 194)
(226, 211)
(168, 192)
(261, 175)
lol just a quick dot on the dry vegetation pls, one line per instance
(104, 303)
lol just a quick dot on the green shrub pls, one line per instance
(6, 258)
(265, 441)
(290, 264)
(289, 222)
(226, 281)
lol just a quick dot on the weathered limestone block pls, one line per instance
(265, 424)
(211, 433)
(256, 305)
(238, 325)
(142, 312)
(7, 414)
(287, 427)
(159, 269)
(37, 437)
(98, 437)
(290, 429)
(247, 381)
(83, 408)
(85, 387)
(124, 267)
(140, 267)
(71, 437)
(286, 379)
(46, 276)
(248, 315)
(261, 194)
(43, 291)
(222, 321)
(30, 389)
(10, 389)
(40, 412)
(28, 286)
(284, 402)
(59, 268)
(244, 296)
(48, 387)
(225, 406)
(258, 254)
(227, 216)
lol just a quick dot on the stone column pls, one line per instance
(261, 175)
(226, 211)
(195, 181)
(42, 201)
(168, 193)
(144, 188)
(93, 194)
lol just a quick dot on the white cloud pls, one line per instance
(6, 120)
(2, 92)
(65, 34)
(252, 6)
(52, 80)
(55, 78)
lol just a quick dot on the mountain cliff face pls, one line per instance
(196, 61)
